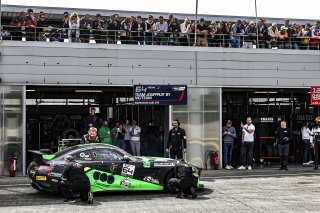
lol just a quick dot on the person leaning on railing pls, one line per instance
(40, 28)
(125, 31)
(282, 37)
(212, 30)
(85, 28)
(30, 22)
(306, 35)
(185, 29)
(113, 27)
(150, 28)
(315, 37)
(138, 28)
(273, 35)
(74, 24)
(250, 35)
(262, 33)
(97, 28)
(174, 30)
(202, 31)
(15, 26)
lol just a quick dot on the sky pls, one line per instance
(307, 9)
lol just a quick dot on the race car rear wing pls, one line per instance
(42, 155)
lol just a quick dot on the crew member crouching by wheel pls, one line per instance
(183, 183)
(91, 137)
(74, 180)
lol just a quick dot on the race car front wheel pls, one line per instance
(169, 188)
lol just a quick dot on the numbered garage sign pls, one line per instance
(128, 170)
(315, 96)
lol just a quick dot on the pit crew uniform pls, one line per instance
(74, 180)
(176, 142)
(183, 182)
(316, 141)
(284, 136)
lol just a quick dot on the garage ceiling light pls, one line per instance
(87, 90)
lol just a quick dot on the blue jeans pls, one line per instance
(227, 153)
(160, 40)
(121, 144)
(173, 40)
(306, 151)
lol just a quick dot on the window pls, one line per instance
(83, 155)
(106, 155)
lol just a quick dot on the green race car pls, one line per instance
(108, 168)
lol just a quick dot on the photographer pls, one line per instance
(121, 130)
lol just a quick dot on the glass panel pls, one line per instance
(195, 99)
(180, 108)
(211, 125)
(195, 126)
(11, 127)
(211, 99)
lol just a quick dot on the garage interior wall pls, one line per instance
(11, 127)
(201, 120)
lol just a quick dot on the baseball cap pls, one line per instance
(202, 20)
(66, 13)
(30, 10)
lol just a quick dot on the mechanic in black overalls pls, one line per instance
(183, 184)
(75, 180)
(176, 140)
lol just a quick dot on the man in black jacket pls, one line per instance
(177, 142)
(183, 183)
(284, 136)
(74, 180)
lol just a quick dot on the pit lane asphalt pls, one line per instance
(260, 190)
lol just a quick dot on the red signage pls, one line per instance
(315, 96)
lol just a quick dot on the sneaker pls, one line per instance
(231, 167)
(227, 167)
(69, 201)
(242, 167)
(310, 162)
(305, 164)
(179, 195)
(249, 168)
(90, 198)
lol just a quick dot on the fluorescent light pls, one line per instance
(87, 90)
(265, 92)
(30, 90)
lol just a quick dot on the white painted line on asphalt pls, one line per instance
(20, 184)
(262, 175)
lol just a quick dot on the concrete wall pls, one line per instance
(40, 63)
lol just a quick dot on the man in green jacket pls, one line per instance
(105, 133)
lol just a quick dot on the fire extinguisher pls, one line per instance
(216, 161)
(13, 166)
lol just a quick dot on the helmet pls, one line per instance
(317, 121)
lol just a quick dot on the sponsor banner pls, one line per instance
(315, 96)
(160, 94)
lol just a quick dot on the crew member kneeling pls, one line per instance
(75, 180)
(183, 182)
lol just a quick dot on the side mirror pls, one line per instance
(126, 158)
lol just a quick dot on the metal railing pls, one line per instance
(50, 34)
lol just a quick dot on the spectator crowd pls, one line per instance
(150, 31)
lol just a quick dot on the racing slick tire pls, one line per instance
(70, 133)
(169, 188)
